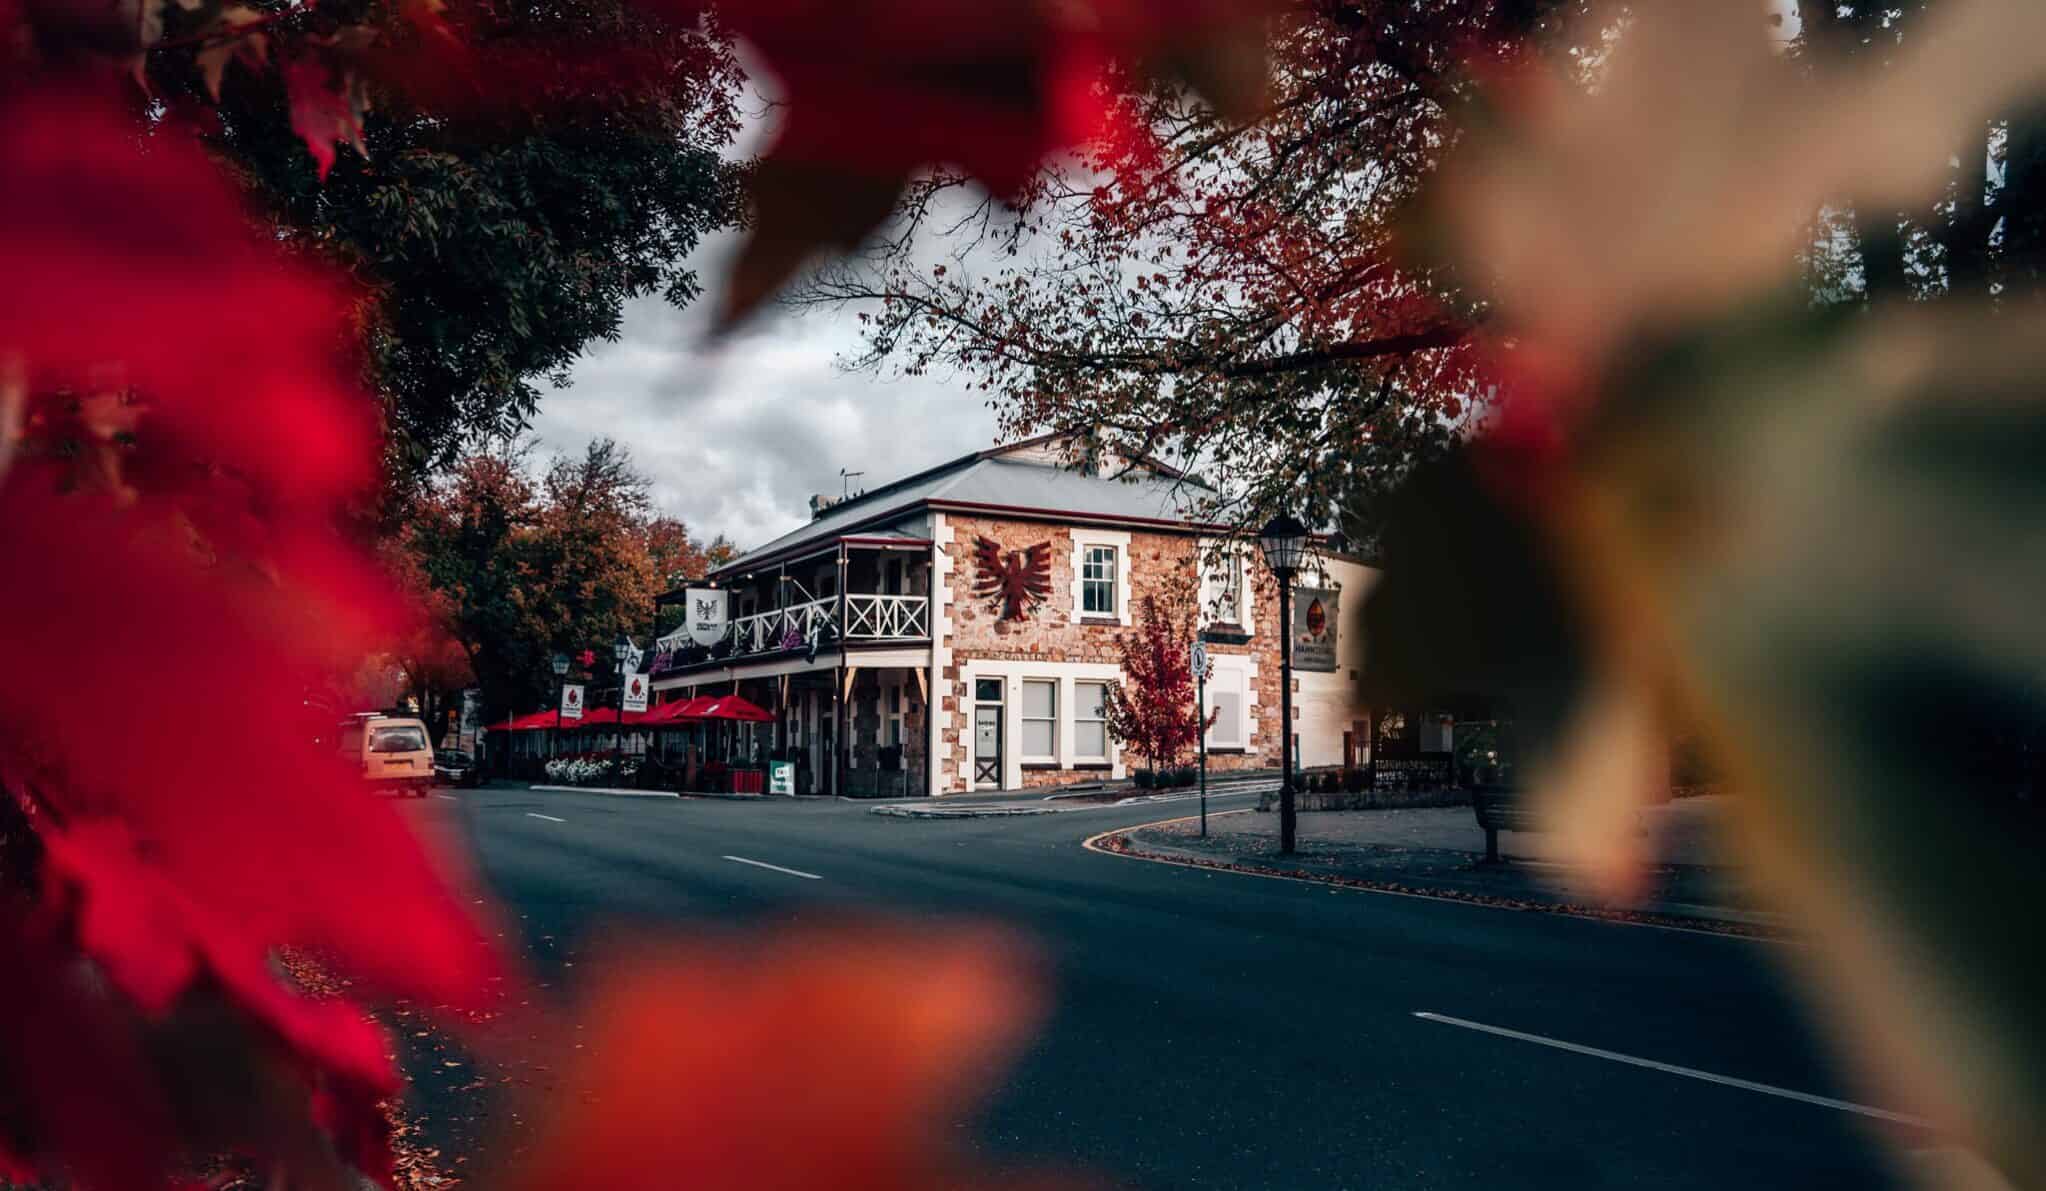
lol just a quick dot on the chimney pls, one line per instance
(821, 504)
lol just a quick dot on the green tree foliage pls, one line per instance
(497, 242)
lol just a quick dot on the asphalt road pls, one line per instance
(1216, 1030)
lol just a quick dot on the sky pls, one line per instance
(737, 436)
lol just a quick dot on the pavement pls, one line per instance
(1219, 1030)
(1441, 850)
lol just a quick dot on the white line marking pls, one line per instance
(549, 818)
(449, 797)
(793, 872)
(1687, 1072)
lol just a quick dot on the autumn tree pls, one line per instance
(1230, 291)
(528, 566)
(1153, 710)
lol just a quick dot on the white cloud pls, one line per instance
(738, 435)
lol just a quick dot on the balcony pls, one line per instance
(868, 617)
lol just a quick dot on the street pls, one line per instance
(1218, 1030)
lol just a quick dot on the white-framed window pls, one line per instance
(1225, 585)
(1101, 575)
(891, 714)
(1229, 695)
(1040, 720)
(1090, 722)
(1098, 568)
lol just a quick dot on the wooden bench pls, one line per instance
(1501, 808)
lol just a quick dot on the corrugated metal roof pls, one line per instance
(988, 479)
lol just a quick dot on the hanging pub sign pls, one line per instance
(635, 692)
(572, 701)
(1314, 628)
(706, 610)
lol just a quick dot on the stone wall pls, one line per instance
(1164, 565)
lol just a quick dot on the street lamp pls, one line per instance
(621, 649)
(1284, 542)
(560, 664)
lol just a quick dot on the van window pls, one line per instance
(401, 739)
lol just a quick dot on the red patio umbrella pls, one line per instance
(735, 707)
(532, 721)
(675, 712)
(608, 717)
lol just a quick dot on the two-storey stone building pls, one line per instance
(956, 629)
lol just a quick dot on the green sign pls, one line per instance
(781, 777)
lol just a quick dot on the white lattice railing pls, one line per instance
(869, 617)
(887, 616)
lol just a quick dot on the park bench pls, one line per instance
(1500, 808)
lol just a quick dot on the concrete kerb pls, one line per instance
(622, 792)
(1753, 927)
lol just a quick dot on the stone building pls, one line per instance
(956, 629)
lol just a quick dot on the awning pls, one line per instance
(675, 712)
(735, 707)
(607, 717)
(532, 721)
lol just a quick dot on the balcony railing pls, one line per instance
(867, 617)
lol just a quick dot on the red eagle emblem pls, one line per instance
(1021, 581)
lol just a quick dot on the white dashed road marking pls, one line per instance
(549, 818)
(793, 872)
(1673, 1069)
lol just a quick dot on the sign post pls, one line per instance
(1198, 659)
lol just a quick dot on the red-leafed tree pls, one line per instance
(1152, 711)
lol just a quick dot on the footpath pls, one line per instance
(1439, 851)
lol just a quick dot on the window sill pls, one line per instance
(1223, 634)
(1097, 618)
(1214, 751)
(1102, 766)
(1040, 765)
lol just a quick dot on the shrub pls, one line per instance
(1354, 780)
(1143, 778)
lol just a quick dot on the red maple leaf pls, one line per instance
(189, 823)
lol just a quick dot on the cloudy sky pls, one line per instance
(738, 435)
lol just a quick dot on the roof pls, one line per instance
(1018, 479)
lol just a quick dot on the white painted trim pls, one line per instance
(1012, 674)
(1246, 595)
(1085, 536)
(879, 657)
(939, 763)
(1244, 665)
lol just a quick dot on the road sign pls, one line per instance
(1198, 659)
(635, 692)
(572, 701)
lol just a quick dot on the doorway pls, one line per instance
(987, 732)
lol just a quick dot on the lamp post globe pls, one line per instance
(560, 664)
(1284, 543)
(621, 647)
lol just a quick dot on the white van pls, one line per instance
(393, 751)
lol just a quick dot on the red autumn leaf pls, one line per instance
(190, 824)
(877, 92)
(327, 103)
(819, 1060)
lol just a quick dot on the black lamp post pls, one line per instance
(1284, 541)
(560, 664)
(620, 650)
